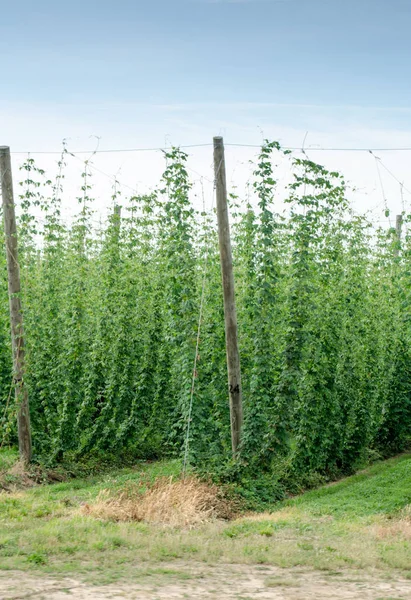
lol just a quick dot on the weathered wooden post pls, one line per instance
(230, 315)
(16, 316)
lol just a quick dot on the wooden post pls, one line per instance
(16, 317)
(398, 231)
(230, 316)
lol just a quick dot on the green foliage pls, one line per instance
(111, 316)
(384, 488)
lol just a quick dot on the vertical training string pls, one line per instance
(200, 318)
(384, 198)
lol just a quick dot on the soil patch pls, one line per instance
(180, 580)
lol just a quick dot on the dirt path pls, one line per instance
(198, 581)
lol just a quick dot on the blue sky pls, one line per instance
(321, 52)
(137, 73)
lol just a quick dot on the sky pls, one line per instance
(139, 74)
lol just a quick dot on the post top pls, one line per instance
(4, 149)
(218, 139)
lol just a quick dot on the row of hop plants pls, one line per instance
(111, 315)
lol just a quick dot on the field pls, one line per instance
(350, 539)
(205, 346)
(118, 305)
(125, 364)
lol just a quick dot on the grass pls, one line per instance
(360, 522)
(8, 457)
(383, 488)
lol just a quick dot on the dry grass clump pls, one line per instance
(406, 513)
(284, 514)
(176, 502)
(401, 527)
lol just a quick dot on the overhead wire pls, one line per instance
(107, 151)
(326, 149)
(184, 146)
(303, 149)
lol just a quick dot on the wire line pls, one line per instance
(162, 149)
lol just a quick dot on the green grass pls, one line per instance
(8, 457)
(347, 524)
(383, 488)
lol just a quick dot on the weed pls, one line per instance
(37, 558)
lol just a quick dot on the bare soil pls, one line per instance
(180, 580)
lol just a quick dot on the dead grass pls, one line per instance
(284, 514)
(176, 502)
(400, 527)
(406, 512)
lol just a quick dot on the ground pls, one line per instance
(180, 580)
(351, 539)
